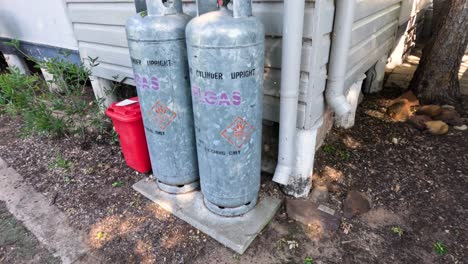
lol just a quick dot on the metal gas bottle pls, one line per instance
(226, 58)
(156, 40)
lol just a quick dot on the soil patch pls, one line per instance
(418, 182)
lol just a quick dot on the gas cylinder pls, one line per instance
(226, 57)
(156, 40)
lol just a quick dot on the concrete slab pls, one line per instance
(3, 164)
(236, 233)
(45, 221)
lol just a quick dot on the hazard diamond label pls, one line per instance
(162, 116)
(238, 132)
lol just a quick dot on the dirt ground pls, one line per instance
(415, 181)
(18, 245)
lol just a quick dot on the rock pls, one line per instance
(332, 175)
(429, 110)
(419, 121)
(461, 128)
(319, 194)
(355, 203)
(351, 143)
(399, 110)
(448, 107)
(410, 97)
(450, 117)
(437, 127)
(334, 188)
(308, 212)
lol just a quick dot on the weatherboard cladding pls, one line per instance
(99, 29)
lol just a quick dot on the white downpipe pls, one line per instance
(205, 6)
(300, 182)
(293, 24)
(343, 25)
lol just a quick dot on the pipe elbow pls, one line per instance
(338, 102)
(282, 174)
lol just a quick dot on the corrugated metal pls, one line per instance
(99, 27)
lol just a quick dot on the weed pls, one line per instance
(329, 149)
(61, 163)
(17, 91)
(236, 256)
(117, 184)
(398, 231)
(440, 248)
(344, 154)
(308, 260)
(67, 179)
(66, 110)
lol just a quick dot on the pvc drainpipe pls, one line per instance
(293, 24)
(344, 19)
(205, 6)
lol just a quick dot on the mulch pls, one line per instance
(414, 180)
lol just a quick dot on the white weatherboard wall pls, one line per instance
(99, 27)
(374, 30)
(37, 21)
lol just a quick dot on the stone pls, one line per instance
(331, 174)
(308, 213)
(437, 127)
(334, 188)
(236, 233)
(419, 121)
(429, 110)
(355, 203)
(461, 128)
(450, 117)
(399, 110)
(410, 97)
(448, 107)
(319, 194)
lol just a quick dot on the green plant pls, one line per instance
(308, 260)
(61, 163)
(397, 230)
(68, 109)
(440, 248)
(18, 91)
(344, 154)
(117, 184)
(67, 179)
(329, 149)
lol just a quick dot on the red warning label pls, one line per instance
(238, 132)
(162, 116)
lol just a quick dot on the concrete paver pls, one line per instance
(236, 233)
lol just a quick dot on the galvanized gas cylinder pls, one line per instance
(156, 40)
(226, 58)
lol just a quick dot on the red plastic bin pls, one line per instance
(128, 124)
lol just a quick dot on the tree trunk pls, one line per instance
(436, 78)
